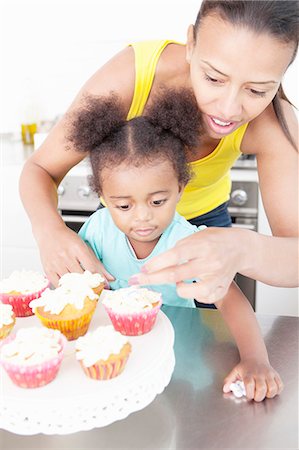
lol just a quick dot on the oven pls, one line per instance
(76, 202)
(243, 209)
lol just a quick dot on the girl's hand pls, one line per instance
(260, 380)
(64, 251)
(212, 256)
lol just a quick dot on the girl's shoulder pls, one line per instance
(265, 133)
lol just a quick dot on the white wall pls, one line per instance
(51, 47)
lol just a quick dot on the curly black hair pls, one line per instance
(170, 127)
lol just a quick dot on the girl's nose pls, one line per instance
(143, 213)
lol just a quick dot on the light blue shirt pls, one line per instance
(113, 249)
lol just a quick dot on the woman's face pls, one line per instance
(235, 73)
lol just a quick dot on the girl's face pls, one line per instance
(141, 200)
(235, 73)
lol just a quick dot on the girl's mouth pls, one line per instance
(144, 231)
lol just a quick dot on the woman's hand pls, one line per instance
(260, 380)
(64, 251)
(212, 256)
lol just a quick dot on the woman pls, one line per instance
(234, 60)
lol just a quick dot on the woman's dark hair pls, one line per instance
(279, 18)
(169, 128)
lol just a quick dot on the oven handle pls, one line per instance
(244, 225)
(76, 219)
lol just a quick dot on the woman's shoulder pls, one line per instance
(265, 133)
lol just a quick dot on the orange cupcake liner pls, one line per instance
(6, 329)
(112, 367)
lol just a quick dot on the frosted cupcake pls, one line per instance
(7, 320)
(32, 357)
(93, 280)
(70, 307)
(132, 310)
(20, 288)
(103, 353)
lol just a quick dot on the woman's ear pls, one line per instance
(190, 43)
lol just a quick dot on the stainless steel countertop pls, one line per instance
(192, 413)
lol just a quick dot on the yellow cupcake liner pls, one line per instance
(71, 328)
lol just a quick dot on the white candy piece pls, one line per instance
(238, 389)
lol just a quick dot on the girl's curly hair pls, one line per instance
(169, 128)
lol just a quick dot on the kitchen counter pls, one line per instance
(192, 412)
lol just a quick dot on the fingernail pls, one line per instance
(143, 269)
(133, 280)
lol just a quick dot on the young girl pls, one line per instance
(234, 61)
(139, 169)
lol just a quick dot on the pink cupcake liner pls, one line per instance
(134, 324)
(20, 303)
(36, 375)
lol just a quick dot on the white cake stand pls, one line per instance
(73, 402)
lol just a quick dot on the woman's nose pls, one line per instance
(230, 106)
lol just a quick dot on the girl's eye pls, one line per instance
(123, 207)
(257, 93)
(158, 202)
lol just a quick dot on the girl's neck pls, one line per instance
(143, 249)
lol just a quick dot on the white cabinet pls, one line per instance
(18, 247)
(269, 299)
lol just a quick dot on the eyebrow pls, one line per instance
(251, 82)
(129, 196)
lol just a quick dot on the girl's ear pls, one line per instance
(181, 189)
(190, 43)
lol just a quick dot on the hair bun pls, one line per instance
(95, 119)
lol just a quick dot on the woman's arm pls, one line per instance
(60, 248)
(254, 368)
(215, 255)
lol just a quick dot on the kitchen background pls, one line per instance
(50, 49)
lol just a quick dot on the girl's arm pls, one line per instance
(254, 368)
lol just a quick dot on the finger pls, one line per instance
(260, 389)
(272, 388)
(249, 384)
(279, 383)
(229, 379)
(184, 250)
(203, 291)
(90, 262)
(53, 277)
(161, 277)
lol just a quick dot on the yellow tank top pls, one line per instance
(210, 185)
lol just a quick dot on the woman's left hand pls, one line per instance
(260, 380)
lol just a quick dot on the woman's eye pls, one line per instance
(257, 93)
(212, 79)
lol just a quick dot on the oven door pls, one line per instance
(75, 219)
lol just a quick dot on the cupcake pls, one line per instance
(70, 307)
(132, 310)
(32, 357)
(7, 320)
(93, 280)
(103, 353)
(20, 288)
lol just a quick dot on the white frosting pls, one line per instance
(24, 281)
(130, 300)
(32, 346)
(99, 344)
(54, 301)
(73, 279)
(72, 290)
(6, 314)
